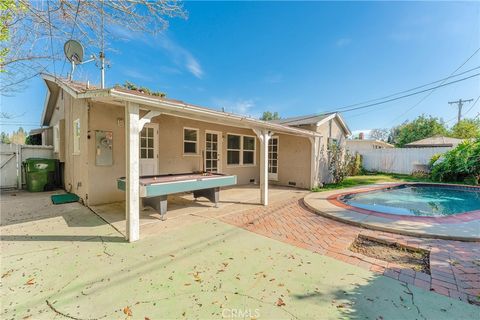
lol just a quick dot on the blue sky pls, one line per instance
(295, 58)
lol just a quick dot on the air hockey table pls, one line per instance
(155, 189)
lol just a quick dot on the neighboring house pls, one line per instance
(437, 141)
(174, 138)
(362, 145)
(42, 136)
(331, 127)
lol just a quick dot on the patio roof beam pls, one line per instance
(132, 207)
(147, 118)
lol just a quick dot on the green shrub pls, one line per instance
(461, 164)
(355, 165)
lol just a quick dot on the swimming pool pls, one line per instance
(417, 200)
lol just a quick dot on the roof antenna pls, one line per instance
(74, 53)
(102, 54)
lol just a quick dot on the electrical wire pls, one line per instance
(73, 29)
(341, 109)
(406, 96)
(51, 37)
(431, 92)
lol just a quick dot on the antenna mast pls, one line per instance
(102, 54)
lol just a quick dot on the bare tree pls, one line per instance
(379, 134)
(36, 30)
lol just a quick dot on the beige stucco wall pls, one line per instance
(97, 184)
(294, 163)
(294, 153)
(76, 166)
(331, 129)
(103, 179)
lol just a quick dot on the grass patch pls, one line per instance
(371, 179)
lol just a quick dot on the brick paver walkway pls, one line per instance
(454, 265)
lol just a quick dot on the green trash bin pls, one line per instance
(40, 174)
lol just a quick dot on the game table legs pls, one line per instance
(158, 203)
(212, 194)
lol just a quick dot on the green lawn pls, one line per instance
(371, 179)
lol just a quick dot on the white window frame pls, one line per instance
(197, 142)
(274, 176)
(56, 138)
(76, 137)
(241, 164)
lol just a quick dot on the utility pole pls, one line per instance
(459, 104)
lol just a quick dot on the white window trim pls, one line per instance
(75, 137)
(219, 151)
(241, 165)
(197, 143)
(56, 138)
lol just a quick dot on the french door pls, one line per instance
(213, 147)
(149, 149)
(273, 158)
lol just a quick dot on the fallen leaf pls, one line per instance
(127, 311)
(273, 279)
(31, 281)
(146, 318)
(6, 274)
(280, 302)
(187, 284)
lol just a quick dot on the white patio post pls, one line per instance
(132, 182)
(264, 136)
(315, 158)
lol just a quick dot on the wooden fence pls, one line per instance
(11, 158)
(399, 160)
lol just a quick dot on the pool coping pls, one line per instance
(324, 203)
(462, 217)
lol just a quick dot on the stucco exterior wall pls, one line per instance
(329, 130)
(76, 166)
(103, 179)
(294, 165)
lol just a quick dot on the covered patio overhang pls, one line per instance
(140, 109)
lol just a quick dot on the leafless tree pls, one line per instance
(38, 29)
(379, 134)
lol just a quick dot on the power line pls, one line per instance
(394, 94)
(459, 104)
(473, 105)
(431, 92)
(408, 95)
(73, 29)
(51, 36)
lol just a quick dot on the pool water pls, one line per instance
(417, 200)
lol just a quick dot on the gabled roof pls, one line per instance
(437, 141)
(119, 95)
(315, 119)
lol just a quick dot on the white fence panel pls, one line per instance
(399, 160)
(11, 158)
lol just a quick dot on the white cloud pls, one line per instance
(343, 42)
(244, 107)
(133, 73)
(180, 56)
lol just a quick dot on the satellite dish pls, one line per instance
(73, 51)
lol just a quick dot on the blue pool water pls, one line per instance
(417, 200)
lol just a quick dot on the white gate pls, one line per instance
(11, 158)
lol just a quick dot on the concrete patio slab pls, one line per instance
(183, 209)
(206, 269)
(463, 231)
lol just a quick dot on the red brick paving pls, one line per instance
(454, 265)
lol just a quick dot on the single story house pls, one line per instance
(148, 135)
(362, 145)
(437, 141)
